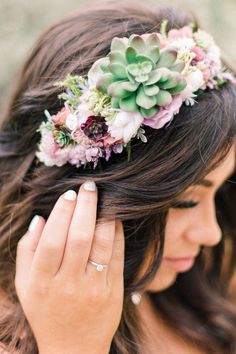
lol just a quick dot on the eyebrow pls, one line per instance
(208, 184)
(205, 182)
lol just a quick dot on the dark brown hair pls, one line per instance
(139, 192)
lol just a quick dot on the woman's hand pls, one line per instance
(70, 305)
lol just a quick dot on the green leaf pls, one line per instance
(104, 81)
(167, 58)
(118, 70)
(143, 100)
(130, 76)
(163, 98)
(72, 83)
(179, 67)
(144, 58)
(128, 104)
(141, 78)
(154, 54)
(163, 28)
(148, 113)
(154, 77)
(170, 83)
(131, 55)
(153, 41)
(129, 86)
(179, 87)
(134, 69)
(165, 74)
(146, 67)
(151, 90)
(117, 57)
(137, 43)
(116, 89)
(105, 67)
(128, 149)
(115, 102)
(119, 44)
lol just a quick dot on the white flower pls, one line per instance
(125, 125)
(71, 122)
(194, 82)
(82, 113)
(183, 44)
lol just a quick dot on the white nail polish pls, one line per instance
(90, 186)
(33, 223)
(70, 195)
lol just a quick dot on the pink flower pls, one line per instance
(80, 138)
(165, 113)
(183, 32)
(49, 152)
(77, 155)
(93, 153)
(108, 140)
(206, 72)
(200, 54)
(61, 116)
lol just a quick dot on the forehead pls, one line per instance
(225, 168)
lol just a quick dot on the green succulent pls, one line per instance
(139, 76)
(62, 138)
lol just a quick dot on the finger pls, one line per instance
(26, 248)
(101, 249)
(116, 267)
(81, 232)
(49, 253)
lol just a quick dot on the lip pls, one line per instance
(181, 264)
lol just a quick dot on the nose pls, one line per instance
(205, 230)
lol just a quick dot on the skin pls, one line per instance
(57, 287)
(67, 302)
(184, 234)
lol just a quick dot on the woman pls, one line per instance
(70, 284)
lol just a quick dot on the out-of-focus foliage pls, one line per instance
(21, 21)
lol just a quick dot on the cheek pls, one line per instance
(176, 224)
(164, 278)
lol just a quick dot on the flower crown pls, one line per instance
(143, 81)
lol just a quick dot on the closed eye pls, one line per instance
(185, 205)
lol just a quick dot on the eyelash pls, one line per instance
(185, 205)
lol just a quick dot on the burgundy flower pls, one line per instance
(95, 127)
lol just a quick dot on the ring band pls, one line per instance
(99, 267)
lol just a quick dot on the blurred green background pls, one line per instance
(21, 21)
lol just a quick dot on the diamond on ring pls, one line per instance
(99, 267)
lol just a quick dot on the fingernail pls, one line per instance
(33, 223)
(90, 186)
(70, 195)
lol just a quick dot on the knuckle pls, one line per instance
(103, 245)
(79, 241)
(50, 247)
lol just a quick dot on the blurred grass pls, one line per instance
(23, 20)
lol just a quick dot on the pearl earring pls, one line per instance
(136, 297)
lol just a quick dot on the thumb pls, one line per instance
(26, 248)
